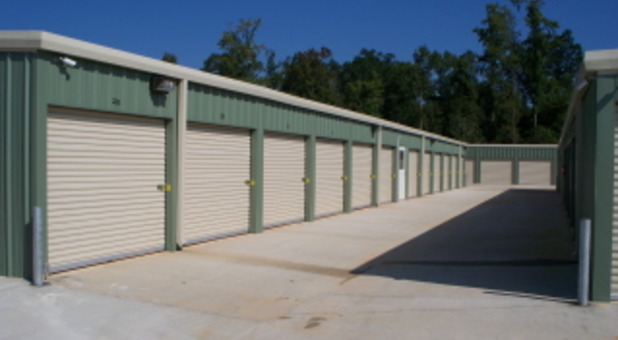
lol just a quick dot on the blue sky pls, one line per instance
(191, 29)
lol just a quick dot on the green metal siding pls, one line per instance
(604, 177)
(16, 119)
(215, 106)
(587, 156)
(396, 138)
(101, 87)
(511, 152)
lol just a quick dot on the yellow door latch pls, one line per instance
(250, 182)
(306, 180)
(344, 178)
(373, 176)
(164, 187)
(393, 176)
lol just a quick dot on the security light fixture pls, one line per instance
(162, 84)
(66, 61)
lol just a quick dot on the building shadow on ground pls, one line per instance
(516, 244)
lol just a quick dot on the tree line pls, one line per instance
(515, 91)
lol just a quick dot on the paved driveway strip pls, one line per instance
(482, 262)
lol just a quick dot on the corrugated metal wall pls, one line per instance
(97, 86)
(102, 87)
(17, 81)
(512, 152)
(587, 177)
(215, 106)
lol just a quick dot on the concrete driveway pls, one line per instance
(476, 263)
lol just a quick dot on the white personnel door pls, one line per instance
(401, 173)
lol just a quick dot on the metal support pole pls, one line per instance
(584, 262)
(39, 274)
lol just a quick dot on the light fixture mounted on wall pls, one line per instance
(68, 62)
(162, 85)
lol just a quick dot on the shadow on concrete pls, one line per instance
(516, 244)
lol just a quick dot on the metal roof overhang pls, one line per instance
(45, 41)
(596, 63)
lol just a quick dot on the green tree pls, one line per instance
(363, 82)
(310, 74)
(429, 69)
(170, 58)
(457, 88)
(550, 61)
(401, 93)
(501, 68)
(242, 57)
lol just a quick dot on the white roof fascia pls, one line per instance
(595, 63)
(602, 61)
(549, 146)
(41, 40)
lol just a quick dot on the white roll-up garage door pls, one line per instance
(328, 183)
(496, 172)
(284, 170)
(386, 175)
(217, 164)
(103, 201)
(614, 270)
(468, 172)
(458, 172)
(535, 172)
(437, 173)
(452, 171)
(362, 156)
(412, 173)
(427, 174)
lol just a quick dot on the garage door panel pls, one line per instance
(412, 173)
(102, 176)
(452, 171)
(496, 172)
(614, 259)
(329, 170)
(284, 169)
(386, 172)
(469, 171)
(427, 174)
(217, 164)
(361, 175)
(535, 172)
(437, 173)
